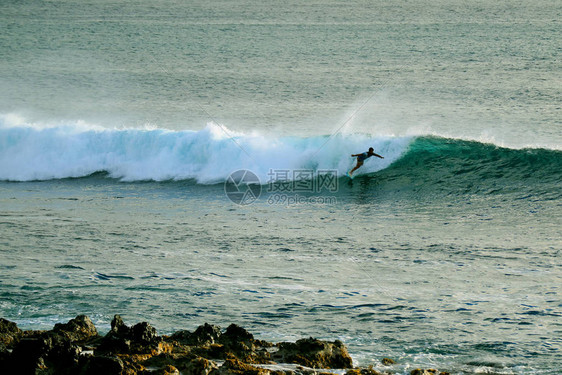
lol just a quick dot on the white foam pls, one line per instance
(39, 152)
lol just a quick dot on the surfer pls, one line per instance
(362, 157)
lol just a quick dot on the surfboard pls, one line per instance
(350, 176)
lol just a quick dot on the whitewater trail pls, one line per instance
(207, 156)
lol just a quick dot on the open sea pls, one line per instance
(122, 126)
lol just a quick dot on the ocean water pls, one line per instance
(121, 125)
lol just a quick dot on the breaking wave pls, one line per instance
(210, 155)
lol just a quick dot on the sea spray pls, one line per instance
(208, 156)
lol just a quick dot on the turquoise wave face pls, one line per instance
(441, 161)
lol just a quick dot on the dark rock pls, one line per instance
(30, 354)
(387, 362)
(187, 363)
(182, 337)
(314, 353)
(242, 344)
(113, 343)
(119, 328)
(48, 350)
(431, 371)
(63, 352)
(204, 335)
(213, 351)
(5, 356)
(141, 338)
(10, 334)
(3, 349)
(106, 365)
(237, 334)
(363, 371)
(161, 360)
(208, 342)
(78, 329)
(198, 366)
(144, 333)
(168, 370)
(232, 366)
(236, 339)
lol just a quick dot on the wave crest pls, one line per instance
(208, 156)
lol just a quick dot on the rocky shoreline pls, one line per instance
(77, 348)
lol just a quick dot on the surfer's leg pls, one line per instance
(356, 167)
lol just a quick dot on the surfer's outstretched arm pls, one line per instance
(378, 156)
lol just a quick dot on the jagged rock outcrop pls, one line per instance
(432, 371)
(138, 339)
(314, 353)
(76, 348)
(10, 334)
